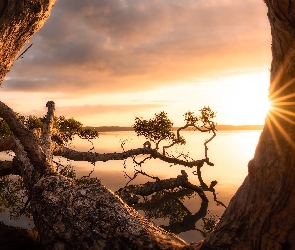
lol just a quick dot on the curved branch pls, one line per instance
(7, 144)
(203, 129)
(26, 137)
(127, 193)
(189, 221)
(74, 155)
(205, 186)
(10, 167)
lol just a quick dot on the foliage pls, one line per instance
(209, 224)
(64, 129)
(156, 129)
(69, 171)
(167, 204)
(205, 119)
(160, 127)
(13, 194)
(4, 129)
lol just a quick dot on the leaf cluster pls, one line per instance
(205, 119)
(167, 204)
(209, 224)
(63, 132)
(4, 129)
(156, 129)
(13, 194)
(69, 171)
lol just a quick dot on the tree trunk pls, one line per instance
(19, 21)
(261, 214)
(69, 216)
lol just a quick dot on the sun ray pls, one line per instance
(282, 98)
(283, 116)
(287, 112)
(273, 135)
(281, 130)
(284, 103)
(281, 89)
(279, 75)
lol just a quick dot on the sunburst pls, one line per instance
(280, 110)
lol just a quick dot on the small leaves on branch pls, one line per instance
(156, 129)
(64, 129)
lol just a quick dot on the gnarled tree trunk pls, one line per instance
(261, 214)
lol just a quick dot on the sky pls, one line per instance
(105, 62)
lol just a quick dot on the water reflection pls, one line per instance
(230, 151)
(178, 210)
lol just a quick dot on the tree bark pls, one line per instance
(19, 21)
(69, 216)
(261, 214)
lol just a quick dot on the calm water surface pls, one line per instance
(230, 152)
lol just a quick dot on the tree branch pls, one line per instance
(47, 131)
(189, 221)
(7, 144)
(25, 136)
(10, 167)
(127, 193)
(74, 155)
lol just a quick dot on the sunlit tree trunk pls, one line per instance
(19, 21)
(261, 214)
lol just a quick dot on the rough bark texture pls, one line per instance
(19, 21)
(68, 216)
(72, 217)
(261, 214)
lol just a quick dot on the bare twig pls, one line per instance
(21, 55)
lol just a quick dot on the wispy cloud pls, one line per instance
(118, 45)
(86, 110)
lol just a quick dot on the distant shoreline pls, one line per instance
(218, 127)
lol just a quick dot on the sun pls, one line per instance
(282, 110)
(246, 99)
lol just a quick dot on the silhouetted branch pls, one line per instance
(7, 144)
(136, 173)
(189, 221)
(10, 167)
(72, 154)
(129, 193)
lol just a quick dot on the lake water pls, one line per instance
(230, 152)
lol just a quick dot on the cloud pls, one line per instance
(89, 110)
(118, 45)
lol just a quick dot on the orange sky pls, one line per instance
(105, 62)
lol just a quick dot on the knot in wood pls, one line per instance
(147, 145)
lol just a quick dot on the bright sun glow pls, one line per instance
(244, 99)
(282, 110)
(240, 99)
